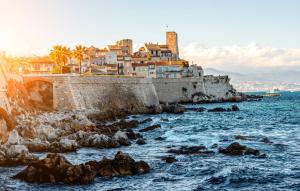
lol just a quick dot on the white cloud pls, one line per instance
(241, 58)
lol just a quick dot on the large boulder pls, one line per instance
(121, 165)
(238, 149)
(56, 168)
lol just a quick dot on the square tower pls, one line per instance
(172, 42)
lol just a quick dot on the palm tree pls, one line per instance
(78, 53)
(60, 55)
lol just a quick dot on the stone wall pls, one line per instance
(135, 94)
(178, 90)
(196, 90)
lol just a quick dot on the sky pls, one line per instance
(225, 34)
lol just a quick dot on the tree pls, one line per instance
(60, 55)
(78, 54)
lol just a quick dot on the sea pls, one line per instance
(277, 118)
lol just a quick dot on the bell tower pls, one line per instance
(172, 42)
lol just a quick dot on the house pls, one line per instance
(40, 65)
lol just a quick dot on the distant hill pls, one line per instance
(265, 75)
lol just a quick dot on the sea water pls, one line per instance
(277, 118)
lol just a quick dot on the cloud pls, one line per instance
(241, 58)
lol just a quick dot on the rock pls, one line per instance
(199, 109)
(217, 109)
(99, 141)
(173, 108)
(146, 120)
(132, 135)
(56, 168)
(242, 137)
(169, 159)
(237, 149)
(14, 155)
(122, 138)
(64, 145)
(123, 124)
(235, 108)
(14, 138)
(150, 128)
(191, 150)
(160, 139)
(140, 142)
(36, 145)
(121, 165)
(266, 140)
(215, 145)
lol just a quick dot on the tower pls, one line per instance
(172, 42)
(126, 45)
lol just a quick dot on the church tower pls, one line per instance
(172, 42)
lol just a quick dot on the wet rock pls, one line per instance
(36, 145)
(160, 139)
(122, 138)
(266, 140)
(221, 109)
(56, 168)
(215, 145)
(199, 109)
(235, 108)
(121, 165)
(173, 108)
(191, 150)
(146, 120)
(218, 109)
(14, 155)
(237, 149)
(169, 159)
(140, 142)
(132, 135)
(242, 137)
(123, 124)
(150, 128)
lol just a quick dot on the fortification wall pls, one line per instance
(134, 94)
(103, 93)
(219, 87)
(178, 90)
(197, 90)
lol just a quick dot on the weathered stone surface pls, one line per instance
(13, 155)
(150, 128)
(237, 149)
(56, 168)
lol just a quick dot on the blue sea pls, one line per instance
(277, 118)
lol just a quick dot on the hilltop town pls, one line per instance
(152, 60)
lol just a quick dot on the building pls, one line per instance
(39, 65)
(160, 69)
(172, 43)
